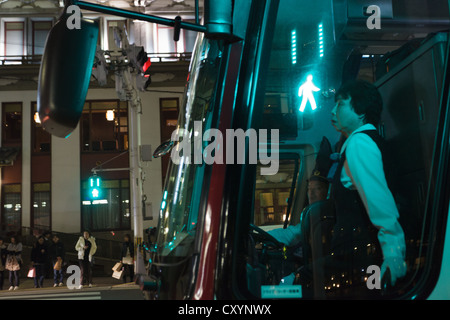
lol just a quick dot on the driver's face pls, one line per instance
(317, 191)
(344, 119)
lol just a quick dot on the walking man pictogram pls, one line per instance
(306, 90)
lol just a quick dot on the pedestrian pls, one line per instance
(57, 254)
(39, 254)
(14, 262)
(86, 248)
(48, 267)
(127, 258)
(2, 262)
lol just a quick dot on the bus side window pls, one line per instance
(274, 194)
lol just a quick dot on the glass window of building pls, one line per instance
(41, 206)
(111, 211)
(274, 193)
(12, 207)
(41, 139)
(40, 30)
(165, 43)
(11, 123)
(112, 33)
(14, 39)
(104, 126)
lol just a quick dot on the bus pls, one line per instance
(213, 236)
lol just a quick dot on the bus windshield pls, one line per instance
(317, 47)
(179, 207)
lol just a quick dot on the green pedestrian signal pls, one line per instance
(94, 187)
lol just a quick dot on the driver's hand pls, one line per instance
(288, 280)
(259, 246)
(397, 267)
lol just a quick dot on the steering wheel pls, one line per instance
(263, 236)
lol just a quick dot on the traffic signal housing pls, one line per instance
(94, 187)
(139, 60)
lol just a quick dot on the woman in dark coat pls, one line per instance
(128, 258)
(3, 254)
(39, 255)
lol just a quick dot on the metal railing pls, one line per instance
(108, 249)
(155, 57)
(20, 60)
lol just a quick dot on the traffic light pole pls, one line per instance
(134, 105)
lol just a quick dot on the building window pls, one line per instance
(12, 207)
(11, 124)
(112, 211)
(14, 39)
(165, 43)
(41, 139)
(104, 126)
(165, 39)
(12, 137)
(168, 116)
(113, 29)
(41, 206)
(40, 30)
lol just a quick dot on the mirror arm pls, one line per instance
(137, 15)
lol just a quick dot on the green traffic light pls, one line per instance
(94, 187)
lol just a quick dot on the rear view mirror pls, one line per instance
(65, 74)
(163, 148)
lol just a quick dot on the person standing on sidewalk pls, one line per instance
(39, 254)
(2, 262)
(57, 254)
(127, 258)
(48, 268)
(14, 262)
(86, 248)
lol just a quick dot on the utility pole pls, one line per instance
(134, 112)
(126, 89)
(129, 58)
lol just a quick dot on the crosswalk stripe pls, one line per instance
(74, 298)
(63, 296)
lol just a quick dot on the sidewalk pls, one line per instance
(28, 283)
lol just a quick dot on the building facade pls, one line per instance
(44, 184)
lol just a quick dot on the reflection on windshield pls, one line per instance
(273, 194)
(179, 209)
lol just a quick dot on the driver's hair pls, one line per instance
(365, 99)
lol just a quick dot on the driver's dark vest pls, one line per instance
(354, 243)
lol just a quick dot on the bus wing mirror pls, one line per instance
(163, 149)
(65, 74)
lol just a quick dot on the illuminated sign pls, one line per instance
(321, 40)
(294, 46)
(306, 91)
(94, 187)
